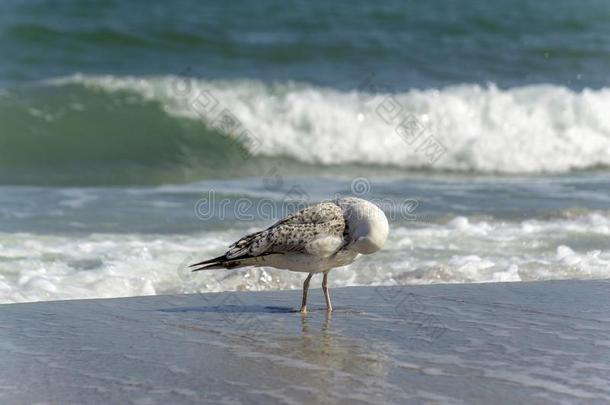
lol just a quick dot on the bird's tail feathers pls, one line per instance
(223, 262)
(220, 262)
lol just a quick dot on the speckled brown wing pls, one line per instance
(293, 233)
(316, 214)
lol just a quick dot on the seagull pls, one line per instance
(314, 240)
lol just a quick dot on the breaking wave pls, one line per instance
(117, 130)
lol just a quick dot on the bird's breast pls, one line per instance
(307, 263)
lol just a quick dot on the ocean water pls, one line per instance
(135, 139)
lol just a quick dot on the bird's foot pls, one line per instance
(303, 309)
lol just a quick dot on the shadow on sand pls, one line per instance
(233, 309)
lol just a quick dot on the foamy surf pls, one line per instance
(462, 249)
(529, 129)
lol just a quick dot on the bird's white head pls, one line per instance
(367, 224)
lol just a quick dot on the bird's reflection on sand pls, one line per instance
(329, 364)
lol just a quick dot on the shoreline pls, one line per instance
(312, 288)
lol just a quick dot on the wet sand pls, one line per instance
(537, 343)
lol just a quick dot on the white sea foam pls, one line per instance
(38, 267)
(541, 128)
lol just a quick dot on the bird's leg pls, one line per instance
(329, 306)
(305, 288)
